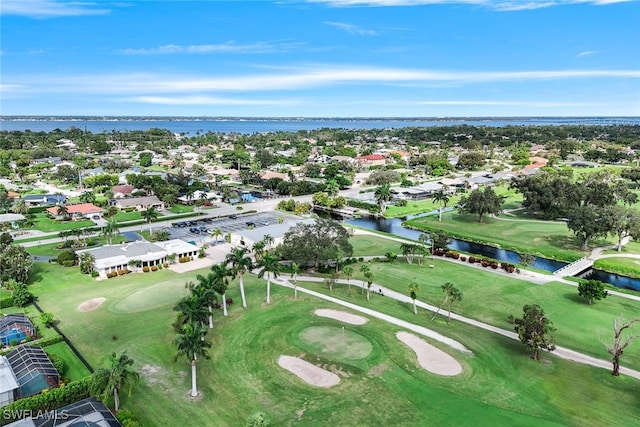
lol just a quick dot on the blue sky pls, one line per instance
(320, 58)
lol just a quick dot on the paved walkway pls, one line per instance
(561, 352)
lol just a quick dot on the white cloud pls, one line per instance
(546, 104)
(351, 29)
(499, 5)
(50, 8)
(227, 47)
(203, 100)
(586, 53)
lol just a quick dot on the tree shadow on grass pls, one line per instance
(574, 297)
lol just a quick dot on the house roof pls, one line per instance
(14, 319)
(135, 201)
(123, 189)
(10, 217)
(8, 381)
(372, 157)
(82, 208)
(28, 362)
(84, 413)
(271, 174)
(45, 198)
(114, 255)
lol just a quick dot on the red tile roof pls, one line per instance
(83, 208)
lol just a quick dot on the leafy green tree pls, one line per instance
(451, 295)
(239, 261)
(587, 222)
(21, 295)
(191, 344)
(46, 319)
(15, 263)
(271, 267)
(107, 382)
(622, 222)
(88, 197)
(534, 329)
(592, 290)
(322, 240)
(619, 343)
(383, 194)
(472, 160)
(440, 239)
(481, 202)
(414, 287)
(441, 197)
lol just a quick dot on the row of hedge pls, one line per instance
(485, 262)
(50, 400)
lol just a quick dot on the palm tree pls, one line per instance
(87, 263)
(88, 197)
(216, 233)
(20, 207)
(220, 283)
(63, 210)
(348, 272)
(441, 197)
(413, 293)
(409, 251)
(205, 292)
(369, 276)
(191, 308)
(191, 343)
(111, 229)
(271, 266)
(295, 269)
(268, 241)
(383, 194)
(364, 269)
(150, 215)
(258, 249)
(107, 382)
(240, 264)
(451, 294)
(426, 239)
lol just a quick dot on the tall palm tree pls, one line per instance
(216, 233)
(409, 250)
(451, 294)
(364, 269)
(20, 207)
(258, 249)
(295, 269)
(107, 382)
(413, 293)
(220, 283)
(110, 229)
(348, 272)
(383, 194)
(441, 197)
(205, 292)
(191, 343)
(268, 241)
(150, 215)
(191, 308)
(271, 266)
(240, 264)
(63, 210)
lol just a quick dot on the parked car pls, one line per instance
(233, 216)
(96, 217)
(264, 222)
(251, 224)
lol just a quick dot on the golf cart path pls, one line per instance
(561, 352)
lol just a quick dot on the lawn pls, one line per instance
(550, 239)
(368, 245)
(180, 209)
(491, 298)
(74, 369)
(500, 385)
(46, 224)
(122, 216)
(625, 266)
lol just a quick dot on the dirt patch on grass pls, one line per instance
(308, 372)
(91, 304)
(429, 357)
(342, 316)
(378, 370)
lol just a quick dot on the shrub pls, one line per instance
(165, 265)
(154, 268)
(472, 259)
(67, 258)
(146, 269)
(159, 266)
(13, 343)
(112, 274)
(229, 301)
(57, 362)
(6, 302)
(463, 258)
(47, 319)
(94, 273)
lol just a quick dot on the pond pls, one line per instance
(394, 226)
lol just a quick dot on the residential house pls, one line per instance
(44, 199)
(32, 370)
(120, 191)
(46, 160)
(371, 160)
(15, 327)
(81, 210)
(88, 412)
(139, 203)
(270, 174)
(112, 258)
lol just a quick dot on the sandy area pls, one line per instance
(429, 357)
(308, 372)
(91, 304)
(343, 316)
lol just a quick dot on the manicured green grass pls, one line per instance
(51, 249)
(44, 223)
(122, 216)
(625, 266)
(551, 239)
(500, 385)
(178, 209)
(491, 298)
(368, 245)
(74, 369)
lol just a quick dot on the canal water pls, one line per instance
(394, 226)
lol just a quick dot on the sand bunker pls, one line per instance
(342, 316)
(91, 304)
(429, 357)
(308, 372)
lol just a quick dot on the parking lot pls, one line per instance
(200, 230)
